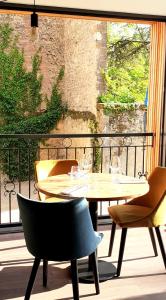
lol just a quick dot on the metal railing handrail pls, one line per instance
(77, 135)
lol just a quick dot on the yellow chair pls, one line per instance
(148, 210)
(46, 168)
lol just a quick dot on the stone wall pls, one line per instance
(129, 149)
(84, 57)
(48, 36)
(79, 46)
(67, 43)
(122, 122)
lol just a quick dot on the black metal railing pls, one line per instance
(18, 153)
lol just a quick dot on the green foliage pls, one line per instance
(127, 71)
(127, 41)
(20, 100)
(118, 107)
(93, 125)
(19, 89)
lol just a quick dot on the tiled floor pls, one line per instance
(143, 276)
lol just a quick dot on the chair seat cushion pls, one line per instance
(125, 214)
(54, 199)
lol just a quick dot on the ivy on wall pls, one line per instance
(20, 101)
(93, 126)
(118, 108)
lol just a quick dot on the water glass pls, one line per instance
(115, 167)
(86, 164)
(74, 171)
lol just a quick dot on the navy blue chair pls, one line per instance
(59, 231)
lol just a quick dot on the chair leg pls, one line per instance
(95, 272)
(45, 272)
(32, 278)
(153, 241)
(161, 245)
(74, 275)
(112, 238)
(121, 251)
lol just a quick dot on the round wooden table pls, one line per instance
(94, 187)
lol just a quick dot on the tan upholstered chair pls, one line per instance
(46, 168)
(145, 211)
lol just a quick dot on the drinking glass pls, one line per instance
(115, 167)
(74, 171)
(86, 164)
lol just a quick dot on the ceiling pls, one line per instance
(154, 8)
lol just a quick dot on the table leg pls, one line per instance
(106, 269)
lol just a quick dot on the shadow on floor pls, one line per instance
(13, 280)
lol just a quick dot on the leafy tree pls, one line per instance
(127, 70)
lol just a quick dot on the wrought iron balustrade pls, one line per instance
(18, 153)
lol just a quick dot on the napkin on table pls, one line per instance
(74, 188)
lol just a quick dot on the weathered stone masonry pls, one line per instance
(80, 47)
(71, 44)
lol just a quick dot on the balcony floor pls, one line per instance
(143, 276)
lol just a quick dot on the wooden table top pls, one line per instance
(93, 186)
